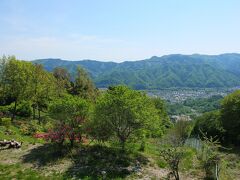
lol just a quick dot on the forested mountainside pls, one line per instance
(174, 70)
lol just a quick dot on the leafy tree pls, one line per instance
(210, 157)
(178, 109)
(24, 109)
(3, 62)
(172, 146)
(71, 113)
(15, 81)
(43, 88)
(63, 80)
(173, 156)
(203, 105)
(122, 112)
(230, 115)
(210, 124)
(83, 85)
(162, 112)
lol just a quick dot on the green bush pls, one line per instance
(5, 122)
(48, 125)
(24, 109)
(30, 128)
(5, 109)
(161, 163)
(189, 158)
(210, 124)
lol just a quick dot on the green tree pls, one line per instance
(162, 112)
(210, 157)
(230, 116)
(43, 88)
(63, 80)
(3, 62)
(71, 112)
(210, 124)
(172, 146)
(83, 85)
(122, 112)
(16, 79)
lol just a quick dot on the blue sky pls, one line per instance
(117, 30)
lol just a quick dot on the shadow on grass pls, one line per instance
(91, 162)
(98, 162)
(45, 154)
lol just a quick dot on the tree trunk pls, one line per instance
(72, 143)
(123, 145)
(176, 174)
(39, 116)
(34, 115)
(14, 110)
(72, 138)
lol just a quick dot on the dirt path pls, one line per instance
(13, 156)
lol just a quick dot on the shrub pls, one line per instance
(1, 114)
(48, 125)
(24, 109)
(210, 124)
(72, 113)
(230, 117)
(30, 128)
(5, 122)
(5, 110)
(210, 158)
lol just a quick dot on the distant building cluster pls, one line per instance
(180, 95)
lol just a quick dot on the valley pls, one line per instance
(119, 90)
(67, 127)
(176, 95)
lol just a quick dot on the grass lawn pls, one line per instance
(40, 160)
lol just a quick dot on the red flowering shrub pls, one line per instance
(64, 132)
(71, 113)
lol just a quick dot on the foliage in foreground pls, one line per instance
(172, 148)
(70, 113)
(121, 113)
(224, 123)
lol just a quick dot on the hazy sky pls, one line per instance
(117, 30)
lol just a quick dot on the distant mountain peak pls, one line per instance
(174, 70)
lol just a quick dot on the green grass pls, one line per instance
(39, 160)
(12, 132)
(16, 171)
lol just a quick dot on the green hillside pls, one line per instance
(160, 72)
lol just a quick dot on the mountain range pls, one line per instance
(176, 70)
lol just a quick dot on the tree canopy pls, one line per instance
(122, 112)
(230, 113)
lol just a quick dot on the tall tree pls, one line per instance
(230, 113)
(83, 85)
(3, 62)
(210, 125)
(63, 80)
(16, 79)
(124, 112)
(43, 88)
(162, 112)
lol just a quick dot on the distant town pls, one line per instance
(175, 95)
